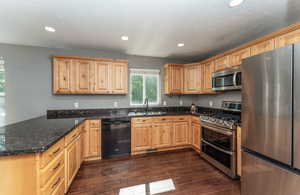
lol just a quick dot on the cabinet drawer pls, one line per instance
(60, 190)
(72, 136)
(195, 119)
(181, 118)
(52, 152)
(52, 168)
(54, 182)
(161, 119)
(95, 123)
(141, 120)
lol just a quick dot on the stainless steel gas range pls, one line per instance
(218, 137)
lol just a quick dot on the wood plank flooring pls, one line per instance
(190, 174)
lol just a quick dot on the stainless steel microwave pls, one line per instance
(228, 79)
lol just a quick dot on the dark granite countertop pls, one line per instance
(34, 135)
(39, 134)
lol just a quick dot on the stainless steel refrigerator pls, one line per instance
(271, 123)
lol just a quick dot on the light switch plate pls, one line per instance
(211, 103)
(164, 103)
(180, 102)
(115, 104)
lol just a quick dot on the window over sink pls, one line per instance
(144, 83)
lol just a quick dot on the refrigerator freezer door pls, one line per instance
(297, 106)
(267, 104)
(259, 177)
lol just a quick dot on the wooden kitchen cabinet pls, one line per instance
(141, 137)
(62, 69)
(83, 76)
(71, 163)
(161, 135)
(180, 133)
(196, 133)
(173, 78)
(79, 75)
(222, 63)
(193, 79)
(208, 69)
(262, 47)
(119, 78)
(239, 151)
(91, 140)
(102, 77)
(235, 59)
(287, 39)
(94, 142)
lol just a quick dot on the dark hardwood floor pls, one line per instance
(190, 175)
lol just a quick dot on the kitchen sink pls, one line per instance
(151, 113)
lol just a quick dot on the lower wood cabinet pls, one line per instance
(196, 133)
(141, 136)
(239, 151)
(91, 145)
(162, 135)
(180, 133)
(159, 133)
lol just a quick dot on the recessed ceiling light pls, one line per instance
(234, 3)
(180, 44)
(50, 29)
(124, 38)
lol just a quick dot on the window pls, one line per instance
(144, 84)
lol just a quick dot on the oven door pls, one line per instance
(226, 80)
(218, 147)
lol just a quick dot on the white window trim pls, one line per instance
(144, 73)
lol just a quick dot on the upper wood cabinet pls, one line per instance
(193, 79)
(74, 75)
(208, 69)
(83, 76)
(173, 78)
(287, 39)
(222, 63)
(235, 59)
(102, 77)
(262, 47)
(119, 78)
(62, 68)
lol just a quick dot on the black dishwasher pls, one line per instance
(116, 137)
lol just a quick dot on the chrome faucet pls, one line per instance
(147, 104)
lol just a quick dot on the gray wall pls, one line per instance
(29, 81)
(203, 100)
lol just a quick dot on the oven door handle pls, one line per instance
(217, 148)
(224, 132)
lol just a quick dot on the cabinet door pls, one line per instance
(180, 135)
(262, 47)
(119, 78)
(83, 76)
(208, 69)
(176, 78)
(287, 39)
(239, 151)
(162, 135)
(196, 128)
(94, 140)
(102, 78)
(236, 58)
(85, 140)
(193, 79)
(71, 162)
(222, 63)
(79, 151)
(62, 75)
(141, 136)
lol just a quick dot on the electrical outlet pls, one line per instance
(180, 102)
(211, 103)
(2, 62)
(164, 103)
(115, 104)
(76, 105)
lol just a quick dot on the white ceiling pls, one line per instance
(154, 27)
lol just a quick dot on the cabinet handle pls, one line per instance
(56, 183)
(56, 167)
(74, 135)
(56, 151)
(163, 119)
